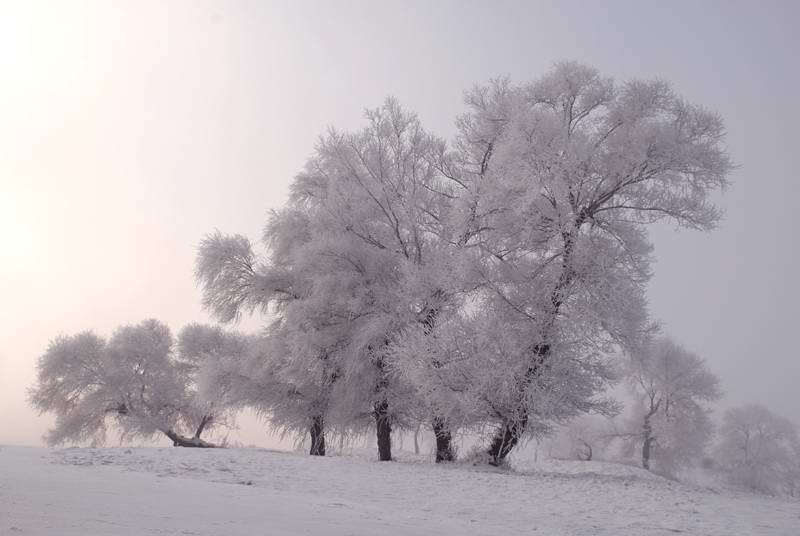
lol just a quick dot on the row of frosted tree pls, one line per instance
(495, 282)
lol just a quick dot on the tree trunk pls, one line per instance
(203, 422)
(416, 439)
(588, 456)
(646, 453)
(647, 432)
(506, 438)
(509, 434)
(441, 430)
(444, 441)
(317, 436)
(182, 441)
(384, 431)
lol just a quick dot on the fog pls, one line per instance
(128, 130)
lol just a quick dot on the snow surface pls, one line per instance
(146, 491)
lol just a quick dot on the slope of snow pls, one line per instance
(228, 492)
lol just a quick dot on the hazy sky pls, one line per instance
(128, 130)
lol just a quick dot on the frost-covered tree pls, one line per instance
(289, 376)
(360, 247)
(563, 175)
(133, 381)
(488, 283)
(759, 450)
(672, 387)
(215, 361)
(384, 192)
(320, 321)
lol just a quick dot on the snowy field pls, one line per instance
(228, 492)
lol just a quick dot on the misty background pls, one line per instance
(128, 130)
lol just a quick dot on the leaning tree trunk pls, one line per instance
(511, 431)
(384, 431)
(203, 422)
(506, 439)
(182, 441)
(317, 436)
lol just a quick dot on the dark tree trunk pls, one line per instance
(317, 436)
(506, 438)
(647, 431)
(203, 422)
(646, 453)
(384, 431)
(510, 433)
(444, 441)
(441, 429)
(182, 441)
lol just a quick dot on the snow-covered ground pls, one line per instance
(228, 492)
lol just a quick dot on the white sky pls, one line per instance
(128, 130)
